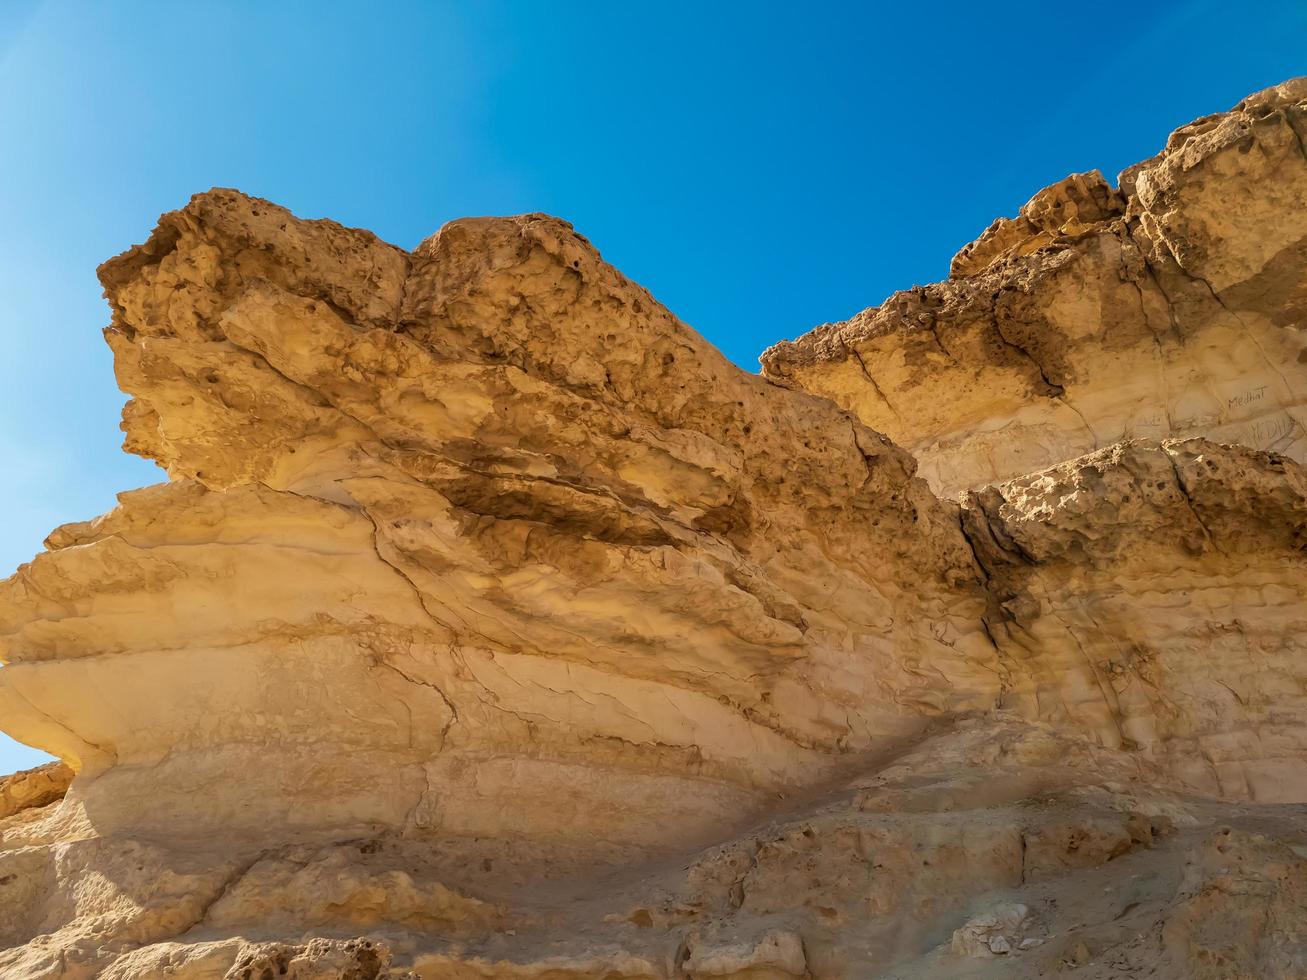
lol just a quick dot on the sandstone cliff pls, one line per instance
(1169, 305)
(491, 624)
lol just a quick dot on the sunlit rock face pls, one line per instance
(491, 624)
(476, 540)
(1156, 596)
(1170, 305)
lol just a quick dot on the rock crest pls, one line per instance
(1170, 306)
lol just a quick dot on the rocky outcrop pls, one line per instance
(492, 625)
(33, 788)
(1170, 305)
(1153, 595)
(483, 539)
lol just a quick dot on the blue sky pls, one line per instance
(761, 167)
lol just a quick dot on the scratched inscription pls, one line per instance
(1266, 431)
(1248, 397)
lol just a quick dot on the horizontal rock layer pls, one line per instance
(484, 523)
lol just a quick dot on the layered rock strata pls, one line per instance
(476, 540)
(491, 624)
(1170, 305)
(1154, 597)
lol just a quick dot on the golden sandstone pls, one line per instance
(491, 624)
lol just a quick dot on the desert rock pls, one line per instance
(33, 788)
(492, 625)
(1170, 305)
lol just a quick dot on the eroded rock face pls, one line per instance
(478, 540)
(492, 625)
(33, 788)
(1170, 305)
(1154, 595)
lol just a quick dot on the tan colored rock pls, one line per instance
(1154, 596)
(33, 788)
(319, 959)
(456, 536)
(1065, 211)
(1171, 306)
(993, 933)
(774, 956)
(492, 625)
(1213, 936)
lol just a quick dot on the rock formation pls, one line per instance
(33, 788)
(1171, 305)
(491, 624)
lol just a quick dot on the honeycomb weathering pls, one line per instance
(491, 624)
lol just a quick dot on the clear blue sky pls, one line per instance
(761, 167)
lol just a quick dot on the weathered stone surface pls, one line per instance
(511, 552)
(33, 788)
(1172, 305)
(1156, 597)
(492, 625)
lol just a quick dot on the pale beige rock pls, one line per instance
(993, 933)
(1156, 597)
(524, 556)
(1173, 305)
(491, 625)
